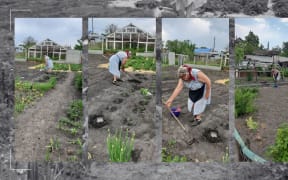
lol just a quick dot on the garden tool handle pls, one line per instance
(174, 117)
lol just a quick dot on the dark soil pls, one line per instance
(271, 105)
(37, 124)
(114, 107)
(196, 144)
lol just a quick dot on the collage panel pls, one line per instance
(195, 85)
(261, 59)
(48, 110)
(121, 95)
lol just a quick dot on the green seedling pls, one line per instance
(251, 124)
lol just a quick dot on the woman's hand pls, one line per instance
(168, 103)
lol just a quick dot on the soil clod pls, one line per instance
(212, 136)
(97, 121)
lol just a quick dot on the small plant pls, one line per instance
(47, 155)
(73, 131)
(77, 141)
(73, 158)
(68, 122)
(54, 145)
(167, 157)
(251, 124)
(120, 146)
(145, 92)
(225, 158)
(279, 151)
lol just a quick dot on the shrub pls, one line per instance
(244, 99)
(45, 86)
(120, 146)
(76, 67)
(279, 151)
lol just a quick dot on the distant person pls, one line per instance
(48, 64)
(199, 91)
(117, 62)
(276, 76)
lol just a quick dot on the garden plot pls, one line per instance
(42, 101)
(260, 132)
(205, 142)
(125, 106)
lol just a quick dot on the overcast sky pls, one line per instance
(100, 24)
(64, 31)
(199, 31)
(273, 30)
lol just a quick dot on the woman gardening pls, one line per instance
(199, 91)
(117, 62)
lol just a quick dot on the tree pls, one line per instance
(181, 47)
(27, 43)
(78, 46)
(252, 43)
(285, 49)
(239, 53)
(111, 28)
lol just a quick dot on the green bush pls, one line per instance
(78, 81)
(75, 111)
(140, 62)
(244, 101)
(120, 146)
(251, 124)
(279, 151)
(61, 66)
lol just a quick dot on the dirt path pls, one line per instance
(120, 106)
(193, 144)
(37, 124)
(271, 105)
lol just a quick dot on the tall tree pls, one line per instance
(181, 47)
(252, 43)
(78, 46)
(111, 28)
(27, 43)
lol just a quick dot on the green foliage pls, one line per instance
(244, 101)
(78, 81)
(249, 76)
(75, 111)
(279, 151)
(27, 92)
(120, 146)
(251, 124)
(167, 157)
(76, 67)
(181, 47)
(53, 145)
(239, 53)
(78, 46)
(285, 49)
(61, 66)
(145, 92)
(140, 62)
(67, 122)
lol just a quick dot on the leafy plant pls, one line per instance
(145, 92)
(140, 62)
(251, 124)
(78, 81)
(244, 99)
(75, 111)
(75, 67)
(120, 146)
(167, 157)
(54, 145)
(68, 122)
(279, 151)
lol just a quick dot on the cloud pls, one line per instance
(200, 31)
(270, 30)
(64, 31)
